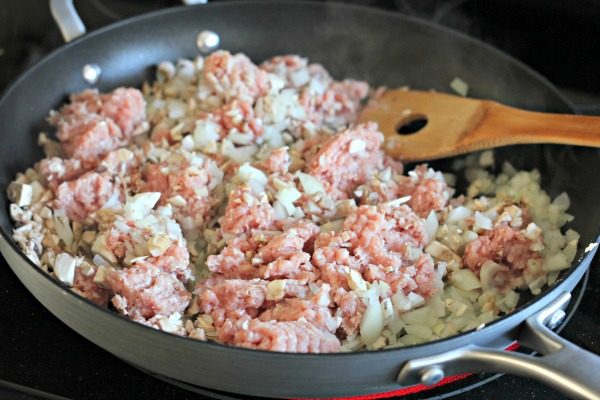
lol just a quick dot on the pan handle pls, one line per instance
(67, 19)
(563, 366)
(69, 23)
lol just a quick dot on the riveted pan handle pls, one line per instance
(67, 19)
(563, 365)
(70, 24)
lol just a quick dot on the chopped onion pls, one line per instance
(310, 184)
(371, 325)
(246, 172)
(482, 222)
(431, 225)
(138, 206)
(206, 131)
(459, 214)
(459, 86)
(465, 279)
(287, 196)
(557, 262)
(488, 271)
(356, 146)
(418, 330)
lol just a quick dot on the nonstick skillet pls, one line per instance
(351, 41)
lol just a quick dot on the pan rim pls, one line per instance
(123, 24)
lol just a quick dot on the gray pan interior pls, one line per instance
(351, 41)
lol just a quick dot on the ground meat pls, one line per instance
(144, 290)
(86, 287)
(506, 246)
(295, 309)
(85, 195)
(233, 260)
(338, 104)
(128, 239)
(377, 242)
(126, 107)
(285, 246)
(271, 256)
(350, 309)
(89, 138)
(428, 191)
(92, 124)
(347, 160)
(55, 171)
(245, 211)
(278, 162)
(235, 76)
(231, 297)
(189, 183)
(296, 72)
(294, 336)
(239, 116)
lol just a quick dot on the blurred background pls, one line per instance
(557, 38)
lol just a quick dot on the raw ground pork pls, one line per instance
(240, 203)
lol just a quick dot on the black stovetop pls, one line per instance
(40, 357)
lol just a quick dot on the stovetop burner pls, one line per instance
(39, 351)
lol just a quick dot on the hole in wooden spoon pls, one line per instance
(411, 124)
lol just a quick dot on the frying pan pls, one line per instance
(350, 41)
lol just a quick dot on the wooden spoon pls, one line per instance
(457, 125)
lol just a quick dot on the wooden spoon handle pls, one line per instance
(456, 125)
(501, 125)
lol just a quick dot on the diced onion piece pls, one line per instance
(557, 262)
(240, 154)
(246, 173)
(287, 196)
(488, 271)
(406, 303)
(371, 325)
(356, 146)
(279, 210)
(332, 226)
(431, 225)
(138, 206)
(482, 222)
(570, 250)
(99, 248)
(187, 143)
(465, 279)
(20, 193)
(536, 285)
(532, 231)
(424, 315)
(397, 202)
(64, 268)
(421, 331)
(441, 252)
(276, 289)
(438, 306)
(157, 245)
(459, 86)
(63, 229)
(459, 214)
(571, 235)
(310, 184)
(511, 299)
(206, 131)
(355, 280)
(387, 308)
(562, 201)
(486, 159)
